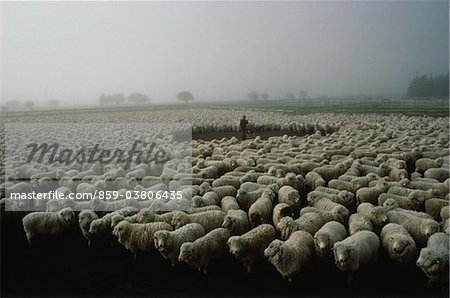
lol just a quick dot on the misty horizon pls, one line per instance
(75, 51)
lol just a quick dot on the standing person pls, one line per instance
(243, 127)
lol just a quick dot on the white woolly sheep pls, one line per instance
(228, 203)
(326, 237)
(292, 255)
(398, 243)
(250, 246)
(314, 180)
(236, 221)
(423, 164)
(279, 211)
(47, 223)
(408, 202)
(355, 251)
(420, 228)
(433, 259)
(371, 194)
(440, 174)
(309, 222)
(200, 252)
(168, 243)
(138, 237)
(260, 212)
(289, 195)
(433, 207)
(208, 219)
(209, 198)
(358, 222)
(85, 217)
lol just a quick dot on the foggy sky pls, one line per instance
(74, 51)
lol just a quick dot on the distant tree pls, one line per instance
(253, 95)
(53, 102)
(429, 86)
(265, 96)
(290, 96)
(28, 105)
(138, 98)
(185, 96)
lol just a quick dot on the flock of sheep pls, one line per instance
(349, 188)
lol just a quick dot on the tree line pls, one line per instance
(428, 86)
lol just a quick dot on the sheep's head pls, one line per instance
(429, 228)
(186, 252)
(145, 215)
(273, 249)
(228, 222)
(286, 227)
(121, 230)
(431, 262)
(85, 218)
(179, 219)
(390, 204)
(67, 214)
(236, 245)
(161, 240)
(379, 216)
(402, 249)
(115, 219)
(341, 256)
(197, 201)
(322, 244)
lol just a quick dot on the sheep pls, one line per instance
(209, 198)
(85, 217)
(168, 243)
(237, 222)
(360, 182)
(260, 212)
(329, 172)
(326, 237)
(296, 181)
(398, 243)
(246, 199)
(358, 222)
(47, 223)
(200, 252)
(224, 181)
(408, 202)
(334, 214)
(445, 213)
(279, 211)
(313, 180)
(423, 164)
(433, 259)
(343, 197)
(327, 204)
(370, 194)
(377, 215)
(420, 228)
(229, 203)
(289, 195)
(355, 251)
(309, 222)
(225, 190)
(138, 237)
(440, 174)
(250, 246)
(266, 180)
(402, 183)
(433, 207)
(398, 174)
(341, 185)
(292, 255)
(208, 219)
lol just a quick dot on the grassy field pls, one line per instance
(407, 106)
